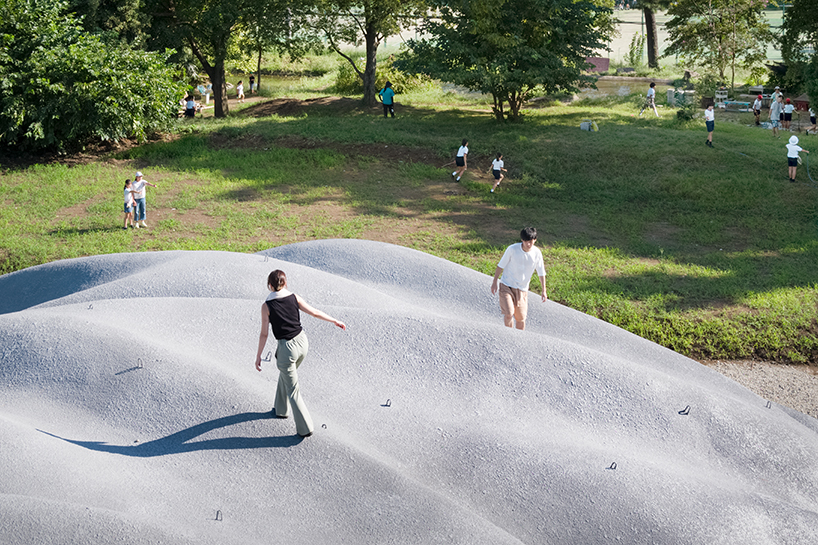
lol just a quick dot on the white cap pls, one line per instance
(777, 87)
(793, 139)
(137, 175)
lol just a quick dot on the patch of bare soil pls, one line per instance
(291, 107)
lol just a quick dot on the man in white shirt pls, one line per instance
(517, 264)
(138, 187)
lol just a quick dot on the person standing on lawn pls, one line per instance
(776, 110)
(757, 109)
(387, 95)
(792, 156)
(139, 191)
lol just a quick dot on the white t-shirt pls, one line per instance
(128, 197)
(811, 113)
(788, 108)
(651, 92)
(518, 265)
(775, 110)
(497, 164)
(463, 150)
(240, 89)
(793, 149)
(709, 115)
(139, 188)
(757, 104)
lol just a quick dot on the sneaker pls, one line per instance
(492, 191)
(144, 224)
(453, 173)
(458, 179)
(136, 226)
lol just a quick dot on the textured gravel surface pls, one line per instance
(131, 412)
(794, 386)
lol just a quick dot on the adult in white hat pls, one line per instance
(138, 187)
(792, 156)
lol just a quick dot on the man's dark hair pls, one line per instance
(529, 233)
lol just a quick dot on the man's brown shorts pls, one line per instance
(514, 302)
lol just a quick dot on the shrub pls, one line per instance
(60, 86)
(347, 81)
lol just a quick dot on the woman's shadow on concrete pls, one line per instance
(179, 442)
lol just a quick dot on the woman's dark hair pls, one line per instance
(126, 183)
(465, 141)
(499, 154)
(277, 279)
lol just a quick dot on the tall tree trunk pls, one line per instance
(652, 38)
(217, 78)
(220, 107)
(370, 71)
(258, 70)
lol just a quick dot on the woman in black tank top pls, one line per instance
(281, 313)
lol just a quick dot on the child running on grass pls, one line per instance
(792, 156)
(461, 159)
(650, 100)
(709, 122)
(129, 205)
(240, 91)
(497, 169)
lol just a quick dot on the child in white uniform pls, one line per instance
(497, 169)
(792, 156)
(461, 159)
(710, 122)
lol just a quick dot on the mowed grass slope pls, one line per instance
(710, 252)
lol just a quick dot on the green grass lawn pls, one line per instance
(710, 252)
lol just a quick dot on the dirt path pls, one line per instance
(794, 386)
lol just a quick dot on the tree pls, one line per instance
(61, 86)
(508, 48)
(649, 8)
(717, 34)
(368, 22)
(799, 43)
(206, 27)
(278, 25)
(124, 17)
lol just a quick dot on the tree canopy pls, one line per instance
(719, 34)
(368, 22)
(799, 42)
(60, 85)
(508, 48)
